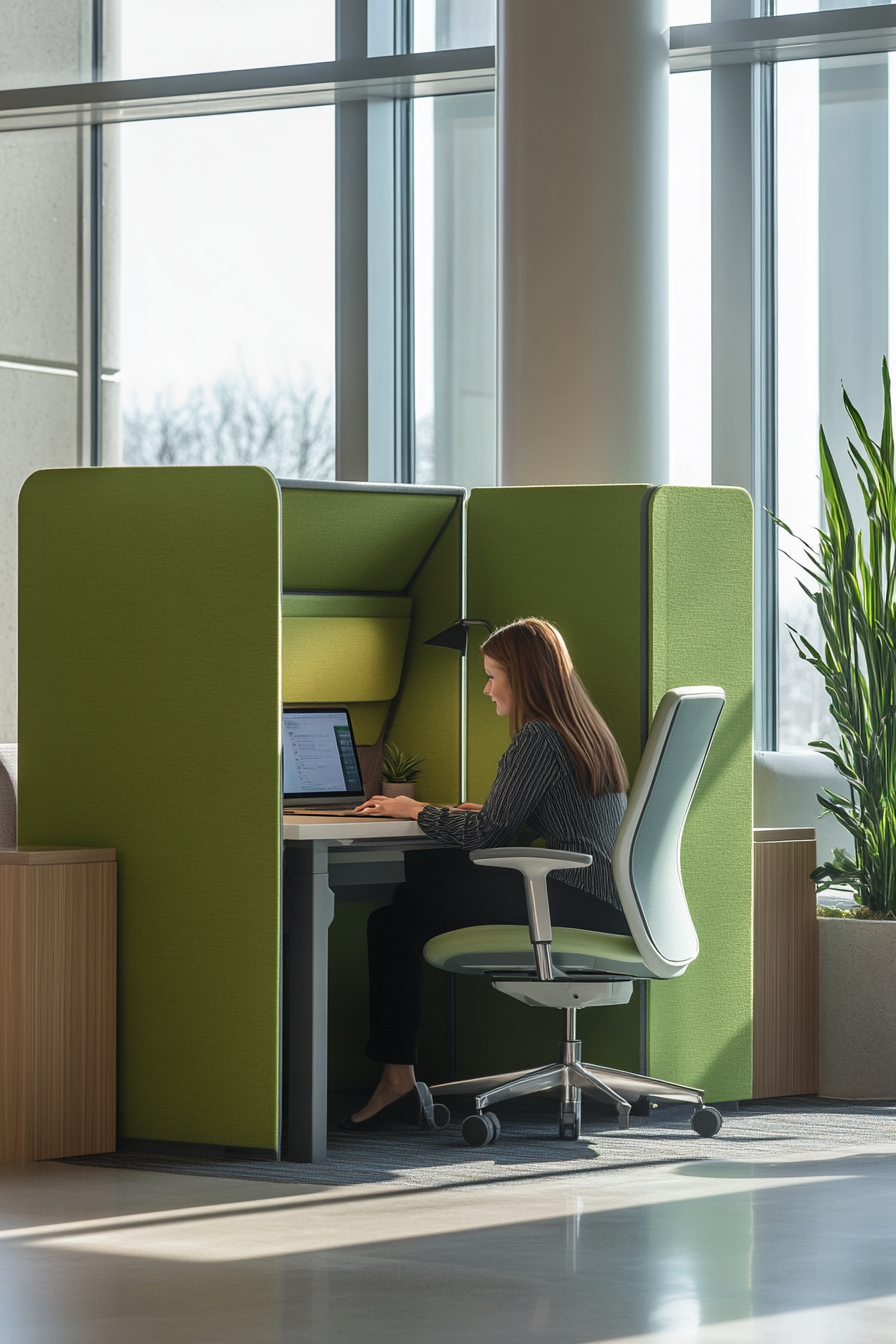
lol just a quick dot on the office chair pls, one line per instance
(571, 969)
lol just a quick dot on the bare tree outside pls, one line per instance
(287, 428)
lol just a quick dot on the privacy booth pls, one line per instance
(166, 614)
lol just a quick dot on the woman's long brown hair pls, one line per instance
(546, 687)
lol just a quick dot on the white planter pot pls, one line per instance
(857, 1009)
(399, 791)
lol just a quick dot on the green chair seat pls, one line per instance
(488, 948)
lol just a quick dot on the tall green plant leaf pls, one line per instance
(853, 578)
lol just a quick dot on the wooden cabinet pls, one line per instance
(57, 1002)
(785, 964)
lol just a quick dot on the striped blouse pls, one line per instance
(536, 785)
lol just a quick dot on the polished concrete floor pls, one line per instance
(713, 1252)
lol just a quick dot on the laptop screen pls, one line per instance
(320, 760)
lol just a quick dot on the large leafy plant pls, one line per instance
(853, 577)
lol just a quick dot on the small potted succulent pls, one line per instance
(399, 772)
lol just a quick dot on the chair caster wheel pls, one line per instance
(432, 1114)
(706, 1122)
(570, 1129)
(478, 1130)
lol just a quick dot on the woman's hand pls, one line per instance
(467, 807)
(405, 809)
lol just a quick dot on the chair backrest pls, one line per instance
(647, 856)
(8, 762)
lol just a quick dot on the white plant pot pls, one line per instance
(400, 790)
(857, 1009)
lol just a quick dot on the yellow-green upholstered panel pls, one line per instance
(338, 658)
(571, 554)
(701, 584)
(364, 541)
(367, 719)
(149, 721)
(427, 718)
(344, 604)
(348, 1025)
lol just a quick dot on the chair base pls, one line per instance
(572, 1077)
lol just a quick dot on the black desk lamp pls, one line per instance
(457, 635)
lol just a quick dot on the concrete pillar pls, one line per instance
(583, 246)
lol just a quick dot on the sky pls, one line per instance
(227, 227)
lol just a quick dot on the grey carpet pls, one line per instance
(529, 1149)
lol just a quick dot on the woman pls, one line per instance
(564, 776)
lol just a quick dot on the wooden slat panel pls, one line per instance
(12, 1015)
(785, 969)
(28, 855)
(45, 937)
(57, 1009)
(89, 1087)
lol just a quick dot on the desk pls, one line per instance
(308, 907)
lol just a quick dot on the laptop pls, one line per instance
(321, 772)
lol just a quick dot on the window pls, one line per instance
(834, 312)
(174, 249)
(227, 292)
(454, 289)
(443, 24)
(690, 280)
(172, 37)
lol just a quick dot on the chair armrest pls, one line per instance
(534, 863)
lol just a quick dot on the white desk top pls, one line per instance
(347, 828)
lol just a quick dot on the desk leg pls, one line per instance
(308, 914)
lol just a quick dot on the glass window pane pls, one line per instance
(454, 289)
(803, 714)
(227, 291)
(441, 24)
(689, 11)
(690, 280)
(807, 6)
(834, 314)
(167, 37)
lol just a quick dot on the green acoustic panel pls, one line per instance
(347, 1017)
(496, 1034)
(343, 657)
(570, 554)
(368, 719)
(701, 585)
(366, 541)
(348, 1024)
(427, 719)
(342, 604)
(149, 670)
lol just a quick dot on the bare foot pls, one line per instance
(397, 1081)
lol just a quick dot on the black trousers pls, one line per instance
(444, 890)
